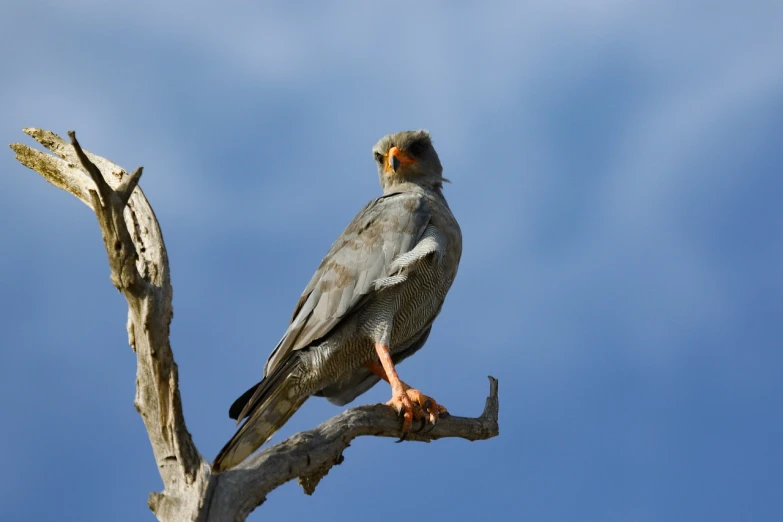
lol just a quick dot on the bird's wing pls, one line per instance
(386, 228)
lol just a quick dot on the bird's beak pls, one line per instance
(394, 160)
(397, 158)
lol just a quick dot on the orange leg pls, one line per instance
(403, 396)
(376, 368)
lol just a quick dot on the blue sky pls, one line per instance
(617, 172)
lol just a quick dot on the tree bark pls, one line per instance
(140, 271)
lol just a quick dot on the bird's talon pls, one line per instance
(413, 405)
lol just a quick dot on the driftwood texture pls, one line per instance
(140, 270)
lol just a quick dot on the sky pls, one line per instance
(617, 171)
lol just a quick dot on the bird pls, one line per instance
(370, 304)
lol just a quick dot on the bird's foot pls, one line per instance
(414, 405)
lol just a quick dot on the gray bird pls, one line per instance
(370, 304)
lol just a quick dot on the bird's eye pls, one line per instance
(378, 157)
(416, 148)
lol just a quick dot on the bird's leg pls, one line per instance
(404, 398)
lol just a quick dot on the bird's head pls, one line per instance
(408, 157)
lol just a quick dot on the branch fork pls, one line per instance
(109, 206)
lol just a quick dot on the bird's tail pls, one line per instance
(272, 409)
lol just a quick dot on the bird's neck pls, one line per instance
(432, 189)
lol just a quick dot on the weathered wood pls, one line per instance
(140, 270)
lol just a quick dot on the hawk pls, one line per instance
(370, 304)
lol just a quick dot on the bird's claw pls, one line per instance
(413, 405)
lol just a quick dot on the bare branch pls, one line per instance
(310, 455)
(103, 188)
(140, 270)
(128, 185)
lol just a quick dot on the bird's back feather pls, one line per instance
(387, 227)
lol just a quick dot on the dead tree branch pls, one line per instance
(140, 270)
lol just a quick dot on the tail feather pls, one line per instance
(241, 402)
(263, 421)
